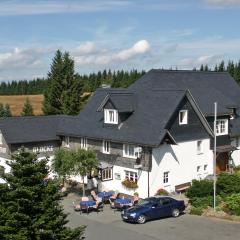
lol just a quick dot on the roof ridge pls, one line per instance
(189, 71)
(31, 117)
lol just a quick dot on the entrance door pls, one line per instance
(222, 162)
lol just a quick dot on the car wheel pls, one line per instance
(175, 212)
(141, 219)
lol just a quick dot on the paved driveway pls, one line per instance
(108, 225)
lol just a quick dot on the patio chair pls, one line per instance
(112, 199)
(95, 197)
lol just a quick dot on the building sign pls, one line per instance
(3, 150)
(43, 149)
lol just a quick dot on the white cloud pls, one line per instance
(223, 3)
(103, 56)
(86, 48)
(31, 7)
(139, 47)
(22, 58)
(209, 60)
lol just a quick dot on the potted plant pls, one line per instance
(130, 184)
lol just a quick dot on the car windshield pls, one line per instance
(144, 202)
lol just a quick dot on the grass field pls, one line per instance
(16, 103)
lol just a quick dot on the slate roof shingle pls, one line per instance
(206, 87)
(145, 126)
(30, 129)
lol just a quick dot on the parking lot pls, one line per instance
(108, 225)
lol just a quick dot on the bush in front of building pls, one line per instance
(200, 188)
(233, 203)
(162, 192)
(204, 202)
(196, 211)
(228, 184)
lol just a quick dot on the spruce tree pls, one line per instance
(53, 95)
(2, 110)
(27, 109)
(29, 205)
(71, 96)
(7, 111)
(64, 92)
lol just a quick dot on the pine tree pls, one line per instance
(64, 92)
(71, 96)
(53, 96)
(29, 205)
(27, 109)
(2, 110)
(7, 111)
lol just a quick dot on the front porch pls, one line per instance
(224, 162)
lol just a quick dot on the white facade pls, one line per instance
(6, 167)
(236, 154)
(119, 176)
(183, 162)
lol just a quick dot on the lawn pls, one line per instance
(16, 103)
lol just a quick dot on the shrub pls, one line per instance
(162, 191)
(233, 203)
(200, 188)
(228, 184)
(196, 211)
(204, 202)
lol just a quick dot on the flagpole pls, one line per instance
(215, 156)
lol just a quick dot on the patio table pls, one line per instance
(88, 203)
(104, 194)
(123, 201)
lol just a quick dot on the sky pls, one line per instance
(116, 34)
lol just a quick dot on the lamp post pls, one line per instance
(215, 156)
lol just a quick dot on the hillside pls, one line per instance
(16, 103)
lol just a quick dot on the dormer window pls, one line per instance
(111, 116)
(183, 117)
(222, 127)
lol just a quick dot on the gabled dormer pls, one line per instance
(117, 107)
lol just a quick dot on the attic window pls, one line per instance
(222, 127)
(183, 117)
(111, 116)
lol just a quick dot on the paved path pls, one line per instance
(108, 225)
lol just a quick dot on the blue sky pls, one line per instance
(116, 34)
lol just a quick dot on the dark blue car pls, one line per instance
(153, 208)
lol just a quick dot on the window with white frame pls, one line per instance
(183, 117)
(222, 127)
(198, 168)
(166, 177)
(66, 142)
(84, 144)
(131, 176)
(106, 147)
(131, 151)
(111, 116)
(107, 174)
(199, 147)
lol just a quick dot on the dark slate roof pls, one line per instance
(145, 126)
(124, 102)
(206, 87)
(30, 129)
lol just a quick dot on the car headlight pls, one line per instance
(133, 214)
